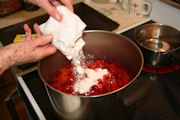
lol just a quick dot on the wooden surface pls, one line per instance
(19, 105)
(6, 78)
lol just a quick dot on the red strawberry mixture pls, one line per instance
(117, 77)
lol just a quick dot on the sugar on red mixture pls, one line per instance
(117, 77)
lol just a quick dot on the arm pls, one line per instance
(5, 63)
(51, 10)
(26, 51)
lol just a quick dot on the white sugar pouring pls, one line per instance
(67, 38)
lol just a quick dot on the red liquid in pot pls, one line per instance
(117, 77)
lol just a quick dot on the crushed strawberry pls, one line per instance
(117, 77)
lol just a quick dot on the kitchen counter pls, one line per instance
(19, 17)
(161, 12)
(166, 14)
(23, 15)
(113, 11)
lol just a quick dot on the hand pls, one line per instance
(33, 50)
(51, 10)
(26, 51)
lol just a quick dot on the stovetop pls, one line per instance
(161, 103)
(163, 100)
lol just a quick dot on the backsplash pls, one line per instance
(165, 14)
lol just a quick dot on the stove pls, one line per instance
(162, 102)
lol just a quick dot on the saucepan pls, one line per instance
(115, 105)
(159, 43)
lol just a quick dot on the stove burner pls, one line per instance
(161, 69)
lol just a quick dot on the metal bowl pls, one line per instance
(114, 105)
(158, 37)
(157, 41)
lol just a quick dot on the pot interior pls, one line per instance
(158, 37)
(98, 45)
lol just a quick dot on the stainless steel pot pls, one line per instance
(159, 43)
(115, 105)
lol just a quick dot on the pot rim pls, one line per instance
(156, 51)
(105, 94)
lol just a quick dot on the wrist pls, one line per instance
(5, 59)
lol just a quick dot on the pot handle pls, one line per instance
(137, 90)
(175, 57)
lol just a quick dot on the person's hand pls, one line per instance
(33, 50)
(51, 10)
(26, 51)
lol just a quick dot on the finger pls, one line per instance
(46, 51)
(68, 4)
(27, 32)
(44, 40)
(37, 30)
(52, 11)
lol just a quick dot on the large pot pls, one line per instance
(159, 43)
(115, 105)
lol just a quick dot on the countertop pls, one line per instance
(23, 15)
(19, 16)
(161, 12)
(111, 10)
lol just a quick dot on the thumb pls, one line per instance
(43, 40)
(52, 11)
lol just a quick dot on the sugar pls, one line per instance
(67, 38)
(83, 86)
(78, 61)
(67, 33)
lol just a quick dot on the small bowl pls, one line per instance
(159, 43)
(158, 37)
